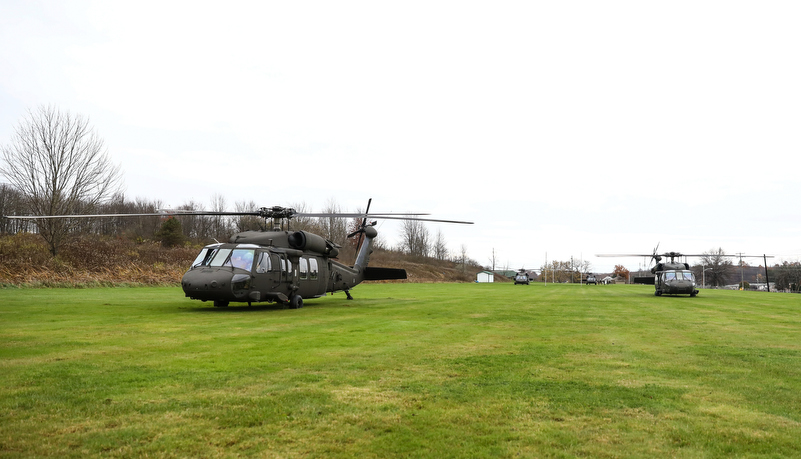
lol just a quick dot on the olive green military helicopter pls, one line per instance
(669, 278)
(675, 277)
(522, 276)
(278, 265)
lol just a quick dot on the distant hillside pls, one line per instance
(25, 260)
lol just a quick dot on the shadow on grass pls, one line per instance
(207, 307)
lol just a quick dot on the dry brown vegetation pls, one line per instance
(420, 269)
(25, 260)
(87, 261)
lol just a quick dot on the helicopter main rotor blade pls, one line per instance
(154, 214)
(677, 255)
(622, 255)
(264, 212)
(198, 213)
(350, 215)
(419, 219)
(257, 214)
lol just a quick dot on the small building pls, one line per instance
(485, 276)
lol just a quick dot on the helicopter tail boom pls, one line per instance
(374, 274)
(647, 280)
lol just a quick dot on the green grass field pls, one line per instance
(404, 370)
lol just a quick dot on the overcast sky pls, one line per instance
(561, 128)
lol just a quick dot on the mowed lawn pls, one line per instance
(403, 370)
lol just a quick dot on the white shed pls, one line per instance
(485, 276)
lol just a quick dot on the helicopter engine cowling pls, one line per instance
(307, 241)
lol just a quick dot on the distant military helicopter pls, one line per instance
(675, 278)
(522, 277)
(276, 264)
(670, 278)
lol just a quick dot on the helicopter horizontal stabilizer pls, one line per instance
(648, 280)
(372, 274)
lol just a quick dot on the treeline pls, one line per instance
(199, 229)
(787, 276)
(564, 271)
(415, 239)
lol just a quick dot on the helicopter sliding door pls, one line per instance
(274, 274)
(311, 281)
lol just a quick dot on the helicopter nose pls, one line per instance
(207, 284)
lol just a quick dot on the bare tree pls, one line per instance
(719, 266)
(303, 223)
(11, 204)
(463, 257)
(141, 228)
(440, 246)
(60, 166)
(220, 226)
(333, 228)
(414, 238)
(247, 222)
(193, 226)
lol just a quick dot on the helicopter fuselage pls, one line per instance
(673, 279)
(277, 266)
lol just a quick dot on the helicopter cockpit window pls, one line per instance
(688, 275)
(241, 258)
(670, 276)
(205, 256)
(219, 257)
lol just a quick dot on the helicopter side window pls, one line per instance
(304, 268)
(264, 264)
(286, 267)
(241, 258)
(313, 270)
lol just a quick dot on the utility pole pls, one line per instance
(742, 276)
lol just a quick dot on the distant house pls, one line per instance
(485, 276)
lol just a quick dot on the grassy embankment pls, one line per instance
(404, 370)
(92, 262)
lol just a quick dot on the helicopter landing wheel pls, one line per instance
(220, 304)
(296, 302)
(658, 293)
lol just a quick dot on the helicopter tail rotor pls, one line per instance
(360, 230)
(654, 256)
